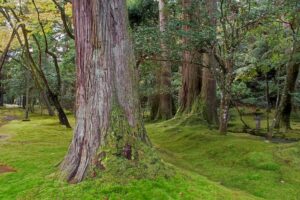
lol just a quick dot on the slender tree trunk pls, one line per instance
(106, 97)
(27, 105)
(268, 104)
(47, 103)
(165, 109)
(23, 101)
(63, 119)
(225, 87)
(224, 112)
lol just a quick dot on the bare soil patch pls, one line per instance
(3, 137)
(6, 169)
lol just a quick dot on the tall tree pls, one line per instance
(209, 89)
(191, 72)
(106, 97)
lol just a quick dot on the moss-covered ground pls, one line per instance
(207, 165)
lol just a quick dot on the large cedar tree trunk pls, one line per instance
(191, 73)
(106, 97)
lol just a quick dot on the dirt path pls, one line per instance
(4, 121)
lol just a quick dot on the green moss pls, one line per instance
(261, 160)
(238, 160)
(199, 164)
(36, 148)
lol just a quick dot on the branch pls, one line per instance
(64, 19)
(52, 54)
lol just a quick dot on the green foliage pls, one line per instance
(142, 12)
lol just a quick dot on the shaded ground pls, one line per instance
(10, 118)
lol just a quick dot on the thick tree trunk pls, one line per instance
(165, 109)
(283, 113)
(209, 90)
(191, 84)
(106, 97)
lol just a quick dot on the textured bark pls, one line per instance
(191, 73)
(165, 109)
(283, 113)
(106, 96)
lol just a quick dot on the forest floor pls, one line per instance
(208, 165)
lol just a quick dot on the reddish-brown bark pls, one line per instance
(106, 97)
